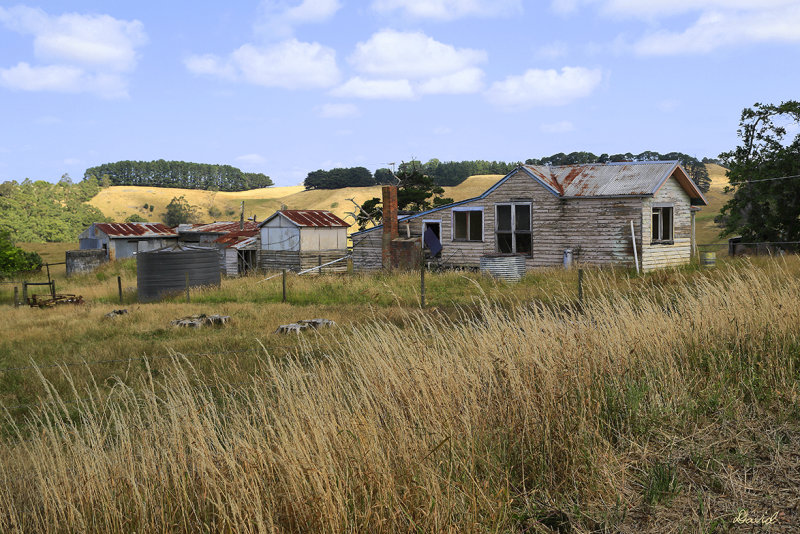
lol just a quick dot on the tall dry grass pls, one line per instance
(491, 421)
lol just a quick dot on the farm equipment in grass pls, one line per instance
(49, 301)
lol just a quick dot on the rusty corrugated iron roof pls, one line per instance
(135, 229)
(234, 237)
(221, 227)
(319, 218)
(601, 180)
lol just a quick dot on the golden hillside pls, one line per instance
(120, 202)
(707, 231)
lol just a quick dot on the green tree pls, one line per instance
(179, 211)
(135, 218)
(415, 192)
(763, 208)
(14, 259)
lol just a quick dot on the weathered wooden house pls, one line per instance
(124, 240)
(301, 239)
(596, 212)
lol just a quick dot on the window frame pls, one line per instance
(453, 224)
(657, 238)
(513, 232)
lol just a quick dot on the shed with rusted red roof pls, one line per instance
(301, 239)
(601, 214)
(124, 240)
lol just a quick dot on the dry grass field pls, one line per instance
(120, 202)
(666, 402)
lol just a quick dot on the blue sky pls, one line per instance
(287, 87)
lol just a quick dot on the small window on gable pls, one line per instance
(467, 225)
(513, 228)
(662, 225)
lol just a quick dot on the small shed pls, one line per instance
(302, 239)
(239, 252)
(124, 240)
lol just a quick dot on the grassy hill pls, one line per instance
(120, 202)
(706, 230)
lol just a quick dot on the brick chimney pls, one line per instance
(389, 224)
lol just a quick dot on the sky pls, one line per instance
(285, 87)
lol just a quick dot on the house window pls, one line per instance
(513, 228)
(468, 224)
(662, 225)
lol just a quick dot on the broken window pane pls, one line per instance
(460, 218)
(523, 244)
(504, 245)
(475, 225)
(666, 223)
(503, 218)
(523, 217)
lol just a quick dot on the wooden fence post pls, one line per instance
(119, 288)
(16, 297)
(422, 285)
(284, 286)
(24, 292)
(52, 289)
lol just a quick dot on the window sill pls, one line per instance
(662, 242)
(467, 240)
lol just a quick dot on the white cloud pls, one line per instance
(719, 23)
(81, 53)
(408, 64)
(277, 19)
(313, 10)
(72, 161)
(290, 64)
(558, 127)
(461, 82)
(338, 111)
(62, 79)
(450, 9)
(392, 53)
(375, 89)
(716, 29)
(544, 87)
(654, 8)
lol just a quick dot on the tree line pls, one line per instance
(181, 174)
(451, 173)
(39, 211)
(694, 167)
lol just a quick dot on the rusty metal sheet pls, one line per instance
(320, 218)
(599, 180)
(136, 229)
(221, 227)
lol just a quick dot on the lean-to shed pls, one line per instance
(301, 239)
(595, 212)
(124, 240)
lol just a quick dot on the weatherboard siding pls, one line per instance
(598, 230)
(656, 256)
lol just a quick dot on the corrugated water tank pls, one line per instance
(510, 267)
(164, 271)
